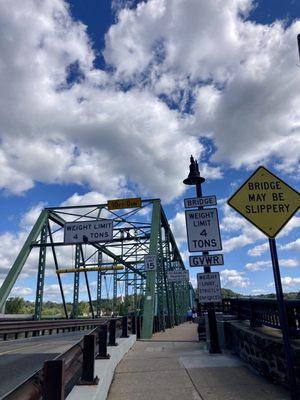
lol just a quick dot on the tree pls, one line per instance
(229, 293)
(83, 308)
(15, 305)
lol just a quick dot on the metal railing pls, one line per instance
(75, 366)
(16, 329)
(264, 312)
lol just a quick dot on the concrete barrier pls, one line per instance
(104, 369)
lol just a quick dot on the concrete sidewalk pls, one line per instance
(175, 366)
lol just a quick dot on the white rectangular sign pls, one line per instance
(209, 287)
(204, 201)
(88, 231)
(178, 276)
(206, 259)
(203, 230)
(150, 262)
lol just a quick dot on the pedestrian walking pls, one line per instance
(194, 315)
(189, 315)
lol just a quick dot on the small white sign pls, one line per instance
(150, 263)
(206, 260)
(203, 231)
(178, 276)
(209, 287)
(204, 201)
(88, 231)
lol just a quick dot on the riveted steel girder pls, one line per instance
(151, 275)
(22, 257)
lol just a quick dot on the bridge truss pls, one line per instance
(136, 233)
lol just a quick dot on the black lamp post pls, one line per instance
(194, 178)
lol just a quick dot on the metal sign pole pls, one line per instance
(211, 315)
(283, 321)
(269, 203)
(194, 178)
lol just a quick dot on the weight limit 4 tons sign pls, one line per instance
(88, 231)
(266, 201)
(203, 230)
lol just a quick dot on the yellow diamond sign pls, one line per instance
(266, 201)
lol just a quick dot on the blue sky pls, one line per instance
(106, 99)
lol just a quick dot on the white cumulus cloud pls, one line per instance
(232, 278)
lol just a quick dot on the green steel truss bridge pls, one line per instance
(117, 266)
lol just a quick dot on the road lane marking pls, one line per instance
(20, 348)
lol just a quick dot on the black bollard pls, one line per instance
(112, 333)
(138, 327)
(133, 325)
(102, 338)
(88, 364)
(54, 380)
(124, 327)
(154, 328)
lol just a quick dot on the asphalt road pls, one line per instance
(19, 359)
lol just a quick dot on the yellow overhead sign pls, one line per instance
(266, 201)
(124, 203)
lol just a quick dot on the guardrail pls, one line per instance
(75, 366)
(13, 329)
(264, 312)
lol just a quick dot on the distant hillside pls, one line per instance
(229, 293)
(289, 296)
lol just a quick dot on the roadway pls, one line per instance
(19, 359)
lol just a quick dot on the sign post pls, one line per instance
(269, 203)
(194, 178)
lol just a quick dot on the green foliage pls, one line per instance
(229, 293)
(15, 305)
(287, 296)
(83, 309)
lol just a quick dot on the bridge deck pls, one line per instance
(174, 365)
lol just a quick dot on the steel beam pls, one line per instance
(151, 275)
(22, 257)
(56, 268)
(41, 274)
(99, 285)
(76, 283)
(55, 218)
